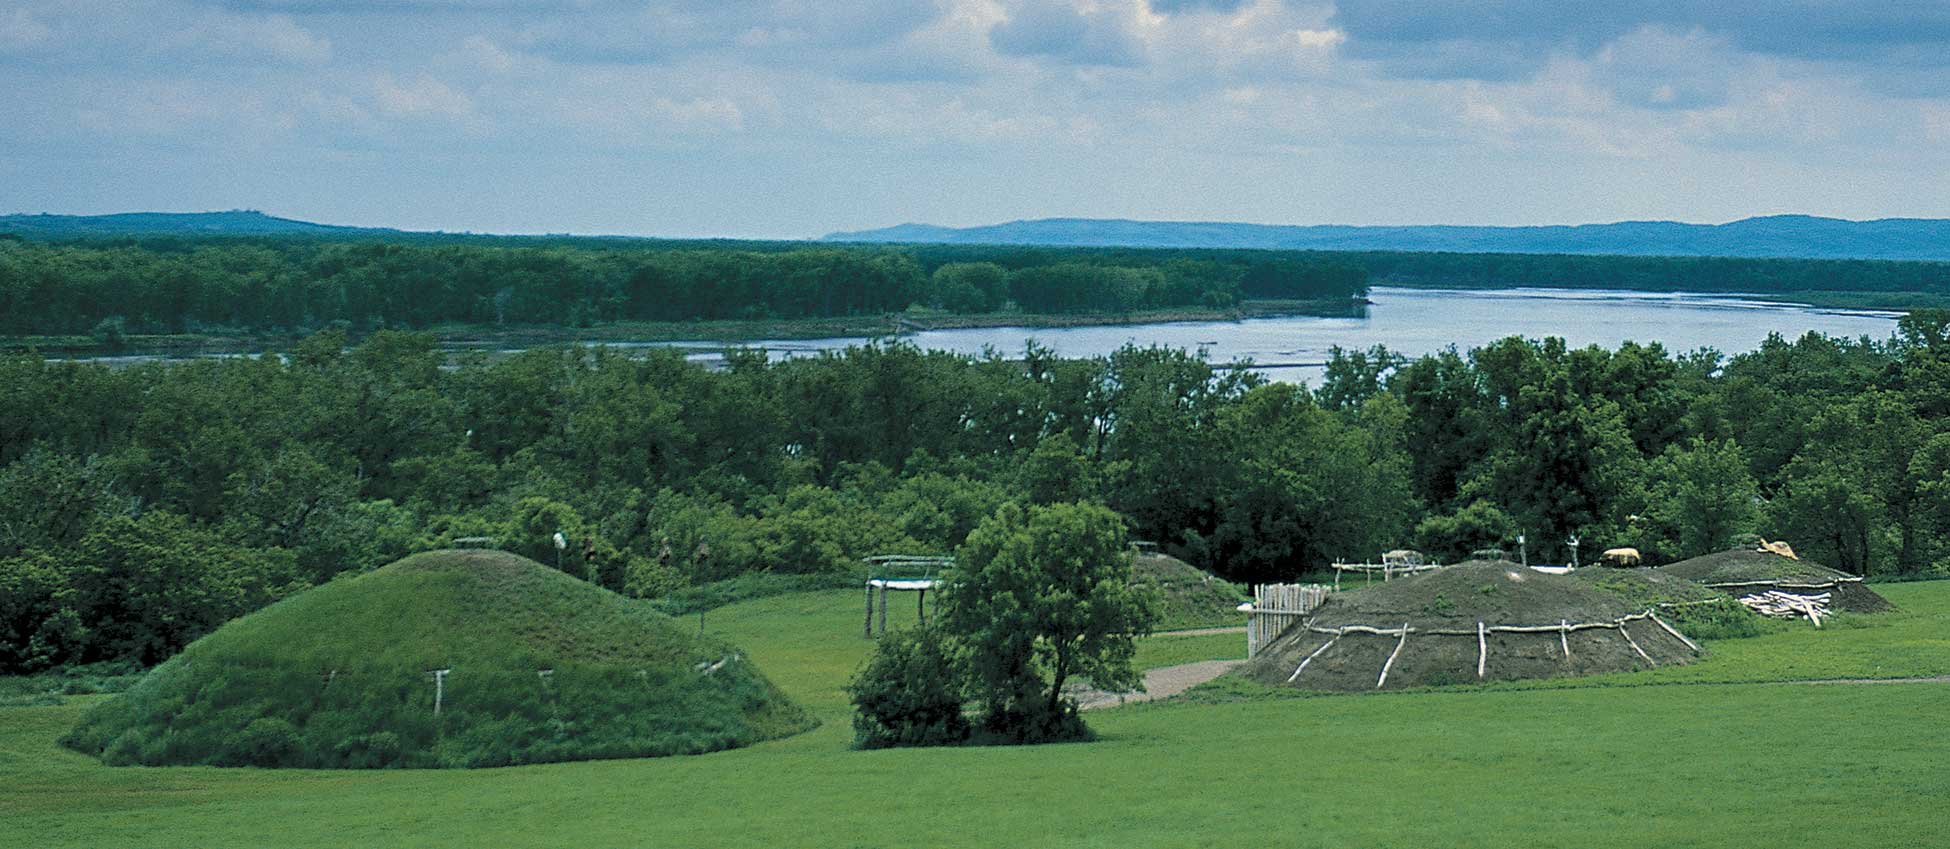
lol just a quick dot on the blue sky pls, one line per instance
(793, 118)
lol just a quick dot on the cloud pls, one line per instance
(755, 114)
(20, 30)
(1171, 7)
(421, 96)
(161, 33)
(1499, 39)
(663, 31)
(1059, 30)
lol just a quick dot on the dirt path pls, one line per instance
(1163, 682)
(1200, 632)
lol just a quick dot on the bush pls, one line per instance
(267, 741)
(112, 332)
(909, 694)
(1729, 620)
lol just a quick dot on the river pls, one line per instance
(1421, 321)
(1408, 321)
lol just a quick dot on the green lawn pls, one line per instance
(1565, 764)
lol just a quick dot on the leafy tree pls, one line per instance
(1040, 596)
(909, 693)
(1450, 538)
(1702, 498)
(147, 587)
(1355, 376)
(970, 287)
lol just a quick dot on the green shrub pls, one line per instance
(1718, 621)
(908, 694)
(267, 741)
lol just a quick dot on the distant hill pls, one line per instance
(1803, 236)
(239, 222)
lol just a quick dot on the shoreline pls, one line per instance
(706, 333)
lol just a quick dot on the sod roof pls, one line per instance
(1443, 608)
(1744, 571)
(1643, 588)
(542, 667)
(1192, 597)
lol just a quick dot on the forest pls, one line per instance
(142, 506)
(296, 285)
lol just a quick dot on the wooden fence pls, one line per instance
(1277, 607)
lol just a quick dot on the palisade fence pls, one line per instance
(1277, 607)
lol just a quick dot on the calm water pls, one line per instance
(1419, 321)
(1408, 321)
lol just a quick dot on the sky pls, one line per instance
(794, 118)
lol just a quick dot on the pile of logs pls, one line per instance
(1782, 605)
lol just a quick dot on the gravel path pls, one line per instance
(1163, 682)
(1199, 632)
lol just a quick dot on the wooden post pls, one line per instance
(883, 608)
(867, 629)
(1564, 636)
(921, 606)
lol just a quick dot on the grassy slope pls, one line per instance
(1192, 598)
(494, 619)
(1491, 767)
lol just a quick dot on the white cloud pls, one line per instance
(218, 35)
(20, 30)
(1275, 110)
(420, 96)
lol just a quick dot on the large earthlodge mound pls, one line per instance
(443, 659)
(1475, 621)
(1749, 572)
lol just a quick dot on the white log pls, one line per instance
(1391, 658)
(1635, 645)
(1310, 658)
(1482, 650)
(1564, 636)
(1675, 632)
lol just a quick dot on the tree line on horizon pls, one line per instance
(142, 506)
(297, 285)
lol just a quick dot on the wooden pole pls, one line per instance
(883, 608)
(867, 629)
(921, 606)
(1564, 636)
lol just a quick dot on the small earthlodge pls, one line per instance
(460, 658)
(1774, 581)
(1474, 621)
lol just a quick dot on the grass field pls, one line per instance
(1594, 762)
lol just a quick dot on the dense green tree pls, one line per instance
(1702, 499)
(1038, 597)
(1479, 525)
(910, 693)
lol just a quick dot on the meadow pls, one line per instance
(1611, 761)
